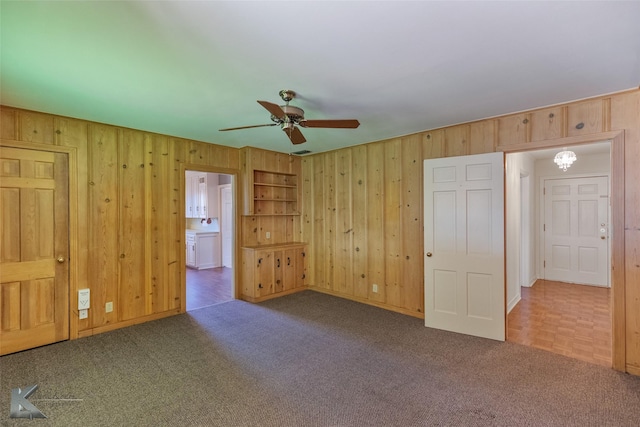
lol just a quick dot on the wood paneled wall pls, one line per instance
(362, 206)
(129, 221)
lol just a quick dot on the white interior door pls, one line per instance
(576, 224)
(226, 224)
(464, 245)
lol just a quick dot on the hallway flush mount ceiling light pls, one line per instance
(564, 159)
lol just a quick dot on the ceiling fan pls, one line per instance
(289, 117)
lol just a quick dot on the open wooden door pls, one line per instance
(464, 244)
(34, 251)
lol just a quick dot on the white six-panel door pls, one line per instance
(464, 244)
(576, 230)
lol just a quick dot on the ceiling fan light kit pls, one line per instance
(289, 117)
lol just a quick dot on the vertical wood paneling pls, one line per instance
(330, 218)
(456, 141)
(307, 210)
(104, 219)
(433, 144)
(74, 133)
(369, 201)
(132, 289)
(35, 127)
(359, 225)
(376, 221)
(625, 114)
(8, 123)
(160, 219)
(514, 129)
(585, 117)
(343, 265)
(632, 298)
(548, 124)
(393, 222)
(197, 153)
(482, 138)
(412, 229)
(175, 154)
(319, 277)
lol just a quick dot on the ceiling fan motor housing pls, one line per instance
(292, 114)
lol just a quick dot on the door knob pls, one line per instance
(60, 259)
(602, 237)
(429, 254)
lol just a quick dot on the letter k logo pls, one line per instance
(21, 407)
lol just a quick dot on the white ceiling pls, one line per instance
(190, 68)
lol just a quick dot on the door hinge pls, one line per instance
(544, 227)
(544, 264)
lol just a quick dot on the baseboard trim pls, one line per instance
(113, 326)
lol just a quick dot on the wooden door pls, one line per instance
(34, 252)
(576, 225)
(464, 244)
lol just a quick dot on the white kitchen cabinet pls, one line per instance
(201, 194)
(203, 249)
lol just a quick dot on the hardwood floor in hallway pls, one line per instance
(569, 319)
(208, 287)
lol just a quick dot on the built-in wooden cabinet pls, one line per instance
(275, 193)
(272, 270)
(272, 257)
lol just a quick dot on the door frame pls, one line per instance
(617, 196)
(74, 261)
(182, 228)
(220, 188)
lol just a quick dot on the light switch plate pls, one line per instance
(84, 299)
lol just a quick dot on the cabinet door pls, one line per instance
(290, 262)
(205, 251)
(189, 206)
(264, 273)
(278, 271)
(301, 269)
(191, 252)
(203, 198)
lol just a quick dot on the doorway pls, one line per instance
(209, 240)
(561, 314)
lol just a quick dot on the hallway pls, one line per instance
(568, 319)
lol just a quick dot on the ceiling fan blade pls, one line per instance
(247, 127)
(343, 124)
(274, 109)
(294, 135)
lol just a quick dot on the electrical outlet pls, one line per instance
(375, 288)
(268, 234)
(83, 314)
(108, 307)
(84, 299)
